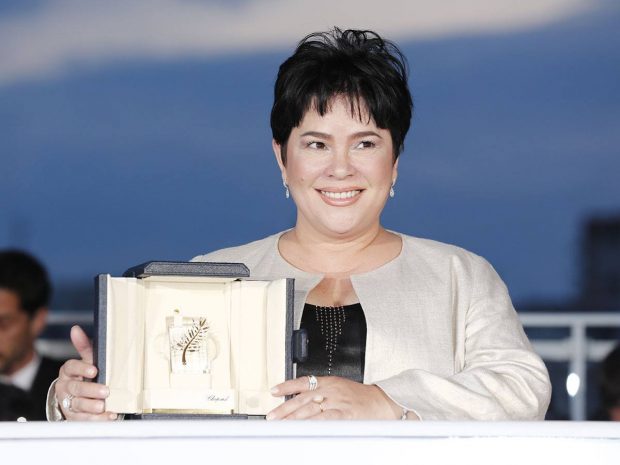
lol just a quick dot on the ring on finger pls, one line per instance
(67, 401)
(313, 383)
(319, 400)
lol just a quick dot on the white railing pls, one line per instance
(62, 349)
(67, 318)
(576, 349)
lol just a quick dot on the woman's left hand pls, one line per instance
(334, 398)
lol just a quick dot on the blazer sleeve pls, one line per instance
(502, 378)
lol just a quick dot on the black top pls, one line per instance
(336, 341)
(15, 403)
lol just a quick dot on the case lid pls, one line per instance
(164, 268)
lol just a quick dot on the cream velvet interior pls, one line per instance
(246, 338)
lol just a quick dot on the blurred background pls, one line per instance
(137, 130)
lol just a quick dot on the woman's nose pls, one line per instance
(340, 164)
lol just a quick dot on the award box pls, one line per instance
(194, 338)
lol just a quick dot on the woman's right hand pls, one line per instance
(88, 401)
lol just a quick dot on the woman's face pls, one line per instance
(339, 170)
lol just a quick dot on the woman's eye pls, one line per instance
(316, 145)
(366, 144)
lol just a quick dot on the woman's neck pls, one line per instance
(312, 251)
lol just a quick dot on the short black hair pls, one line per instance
(369, 71)
(22, 274)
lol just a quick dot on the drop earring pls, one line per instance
(286, 192)
(392, 191)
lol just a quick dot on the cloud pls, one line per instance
(56, 36)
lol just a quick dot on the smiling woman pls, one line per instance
(338, 160)
(399, 327)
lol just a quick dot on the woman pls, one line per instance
(399, 327)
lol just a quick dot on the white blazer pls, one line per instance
(443, 340)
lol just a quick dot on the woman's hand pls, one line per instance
(86, 399)
(334, 398)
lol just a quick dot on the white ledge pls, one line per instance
(308, 429)
(313, 443)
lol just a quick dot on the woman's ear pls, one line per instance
(277, 150)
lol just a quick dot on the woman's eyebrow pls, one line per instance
(365, 134)
(322, 135)
(355, 135)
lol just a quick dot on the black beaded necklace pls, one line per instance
(331, 321)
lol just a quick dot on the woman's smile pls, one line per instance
(340, 198)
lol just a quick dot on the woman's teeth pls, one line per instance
(340, 195)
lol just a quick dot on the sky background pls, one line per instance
(139, 130)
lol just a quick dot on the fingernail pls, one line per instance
(274, 390)
(91, 372)
(112, 416)
(318, 398)
(270, 416)
(104, 391)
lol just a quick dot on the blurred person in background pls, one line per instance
(25, 375)
(610, 386)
